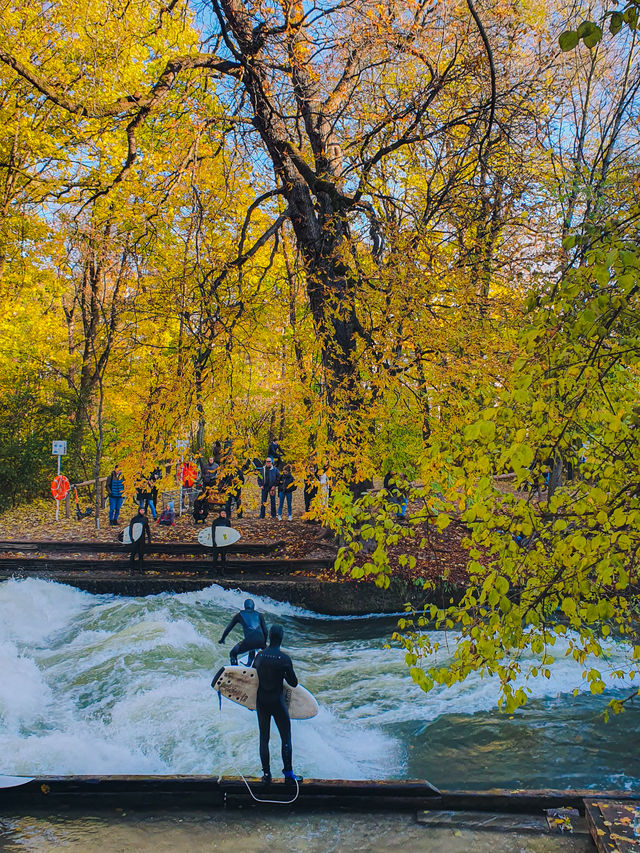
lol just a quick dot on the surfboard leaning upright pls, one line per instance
(137, 533)
(240, 684)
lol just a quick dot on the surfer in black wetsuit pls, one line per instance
(219, 555)
(255, 632)
(274, 667)
(137, 545)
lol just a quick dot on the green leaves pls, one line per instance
(568, 41)
(616, 22)
(588, 32)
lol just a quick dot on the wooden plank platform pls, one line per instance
(541, 823)
(207, 792)
(168, 548)
(53, 565)
(196, 792)
(614, 824)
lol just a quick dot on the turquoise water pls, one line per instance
(105, 684)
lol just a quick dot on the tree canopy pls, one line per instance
(399, 235)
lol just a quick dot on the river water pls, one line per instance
(104, 684)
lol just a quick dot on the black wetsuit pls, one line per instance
(138, 545)
(255, 634)
(274, 667)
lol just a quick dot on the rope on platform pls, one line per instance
(276, 802)
(257, 799)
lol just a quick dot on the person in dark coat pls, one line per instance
(209, 472)
(275, 452)
(200, 508)
(137, 546)
(151, 496)
(255, 632)
(268, 481)
(310, 489)
(286, 488)
(232, 484)
(219, 556)
(274, 667)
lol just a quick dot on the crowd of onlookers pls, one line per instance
(219, 485)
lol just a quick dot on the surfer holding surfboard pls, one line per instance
(219, 556)
(274, 667)
(138, 530)
(262, 687)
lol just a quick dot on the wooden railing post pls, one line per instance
(67, 504)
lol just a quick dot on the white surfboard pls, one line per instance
(14, 781)
(240, 684)
(138, 527)
(224, 536)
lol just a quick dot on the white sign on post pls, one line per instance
(59, 449)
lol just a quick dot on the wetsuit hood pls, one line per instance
(249, 604)
(276, 633)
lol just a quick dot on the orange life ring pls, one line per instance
(187, 474)
(60, 487)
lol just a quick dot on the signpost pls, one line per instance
(60, 485)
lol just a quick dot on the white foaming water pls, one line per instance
(98, 684)
(105, 685)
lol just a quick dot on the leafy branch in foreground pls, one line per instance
(565, 566)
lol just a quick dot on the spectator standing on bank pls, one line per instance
(152, 502)
(323, 480)
(397, 495)
(286, 488)
(147, 494)
(268, 481)
(232, 484)
(209, 472)
(275, 452)
(115, 493)
(310, 489)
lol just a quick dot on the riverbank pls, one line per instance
(326, 595)
(437, 555)
(288, 561)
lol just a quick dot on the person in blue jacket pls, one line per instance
(115, 493)
(255, 632)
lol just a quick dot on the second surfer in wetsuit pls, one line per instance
(137, 545)
(274, 667)
(255, 632)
